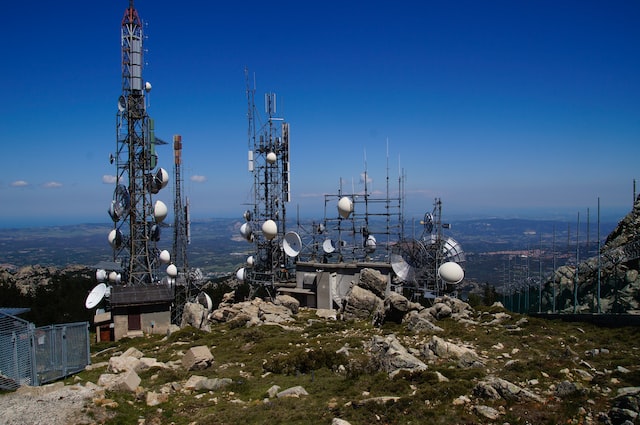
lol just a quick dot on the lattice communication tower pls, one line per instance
(136, 217)
(265, 219)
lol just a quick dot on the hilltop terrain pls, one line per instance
(475, 367)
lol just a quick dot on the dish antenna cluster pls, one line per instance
(274, 250)
(137, 218)
(432, 263)
(357, 226)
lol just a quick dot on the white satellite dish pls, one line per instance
(245, 231)
(205, 300)
(115, 238)
(271, 158)
(160, 211)
(250, 261)
(328, 247)
(147, 86)
(451, 272)
(292, 244)
(101, 275)
(269, 229)
(345, 207)
(172, 270)
(241, 274)
(122, 104)
(96, 295)
(370, 244)
(165, 256)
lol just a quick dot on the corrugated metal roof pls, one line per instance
(140, 295)
(14, 311)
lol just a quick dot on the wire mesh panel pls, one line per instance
(16, 356)
(61, 350)
(33, 356)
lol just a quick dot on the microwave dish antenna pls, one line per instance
(95, 296)
(292, 244)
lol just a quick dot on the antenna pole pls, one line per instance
(575, 284)
(135, 162)
(599, 259)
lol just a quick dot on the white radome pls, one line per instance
(101, 275)
(345, 207)
(165, 256)
(147, 86)
(172, 270)
(370, 244)
(160, 211)
(113, 276)
(451, 272)
(245, 231)
(271, 158)
(240, 274)
(269, 229)
(250, 261)
(115, 238)
(165, 178)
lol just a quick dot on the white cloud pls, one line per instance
(108, 179)
(198, 179)
(362, 178)
(19, 183)
(51, 185)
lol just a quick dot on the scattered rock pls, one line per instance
(197, 358)
(393, 357)
(292, 392)
(494, 388)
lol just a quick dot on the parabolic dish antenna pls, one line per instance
(101, 275)
(245, 231)
(165, 256)
(205, 300)
(451, 272)
(269, 229)
(160, 211)
(115, 238)
(328, 247)
(241, 274)
(370, 244)
(292, 244)
(122, 104)
(96, 295)
(120, 204)
(345, 207)
(451, 249)
(407, 258)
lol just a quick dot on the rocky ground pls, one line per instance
(379, 359)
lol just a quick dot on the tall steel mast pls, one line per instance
(266, 220)
(136, 218)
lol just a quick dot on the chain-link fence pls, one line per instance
(34, 356)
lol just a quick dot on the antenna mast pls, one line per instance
(136, 218)
(265, 227)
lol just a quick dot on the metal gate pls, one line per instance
(34, 356)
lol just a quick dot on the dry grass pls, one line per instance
(536, 356)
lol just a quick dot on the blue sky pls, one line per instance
(498, 108)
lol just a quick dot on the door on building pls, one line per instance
(135, 323)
